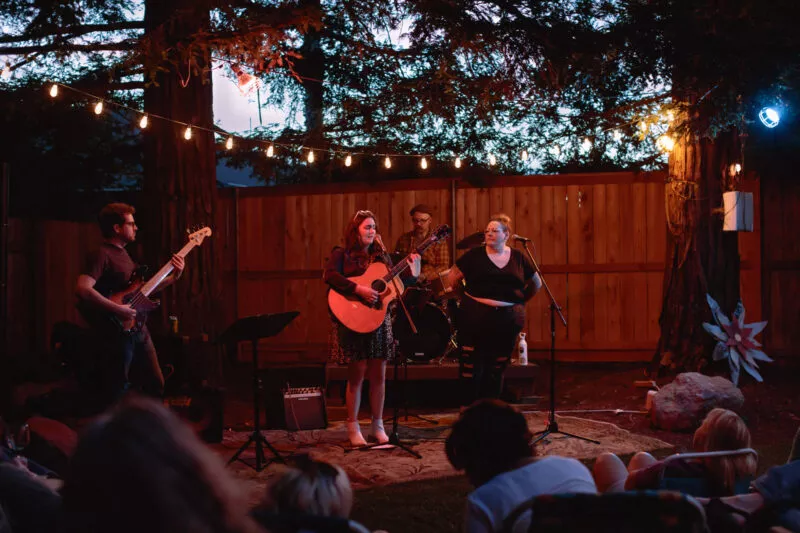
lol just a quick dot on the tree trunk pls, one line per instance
(311, 68)
(180, 187)
(701, 259)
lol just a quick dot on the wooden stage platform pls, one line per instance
(518, 380)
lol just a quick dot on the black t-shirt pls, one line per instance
(485, 280)
(111, 267)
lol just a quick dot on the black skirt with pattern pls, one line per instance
(346, 345)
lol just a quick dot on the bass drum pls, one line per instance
(432, 337)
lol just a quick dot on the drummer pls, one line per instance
(437, 257)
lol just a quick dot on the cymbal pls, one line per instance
(470, 241)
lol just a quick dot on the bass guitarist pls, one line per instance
(107, 271)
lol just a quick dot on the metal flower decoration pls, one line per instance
(736, 341)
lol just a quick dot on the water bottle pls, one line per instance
(523, 350)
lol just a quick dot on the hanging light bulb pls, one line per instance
(735, 169)
(348, 160)
(310, 156)
(187, 133)
(617, 135)
(143, 122)
(492, 160)
(7, 71)
(98, 108)
(587, 144)
(524, 155)
(555, 150)
(387, 162)
(666, 143)
(54, 90)
(270, 151)
(457, 162)
(423, 163)
(643, 126)
(229, 143)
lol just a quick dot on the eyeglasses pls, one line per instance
(420, 220)
(365, 214)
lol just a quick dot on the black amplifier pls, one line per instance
(304, 408)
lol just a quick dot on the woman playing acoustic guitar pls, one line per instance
(365, 353)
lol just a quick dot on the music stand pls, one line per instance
(253, 328)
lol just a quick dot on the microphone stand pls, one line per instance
(552, 425)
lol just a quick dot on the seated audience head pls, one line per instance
(489, 438)
(139, 468)
(310, 487)
(722, 430)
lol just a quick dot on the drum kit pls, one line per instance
(433, 308)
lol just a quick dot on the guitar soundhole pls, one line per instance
(379, 285)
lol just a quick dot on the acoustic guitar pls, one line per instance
(361, 317)
(137, 294)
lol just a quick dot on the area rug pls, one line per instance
(377, 467)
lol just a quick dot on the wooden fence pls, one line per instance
(599, 238)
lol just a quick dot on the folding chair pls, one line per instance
(615, 512)
(698, 486)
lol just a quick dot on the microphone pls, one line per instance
(380, 242)
(520, 238)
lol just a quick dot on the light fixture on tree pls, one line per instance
(7, 71)
(457, 162)
(524, 155)
(587, 144)
(244, 82)
(143, 122)
(270, 151)
(348, 160)
(555, 150)
(643, 126)
(617, 135)
(665, 143)
(769, 117)
(98, 108)
(423, 164)
(492, 160)
(187, 133)
(54, 90)
(229, 143)
(387, 162)
(310, 158)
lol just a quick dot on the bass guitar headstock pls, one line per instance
(198, 236)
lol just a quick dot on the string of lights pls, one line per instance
(664, 142)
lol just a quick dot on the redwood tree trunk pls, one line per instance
(180, 187)
(701, 258)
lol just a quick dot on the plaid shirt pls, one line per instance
(435, 259)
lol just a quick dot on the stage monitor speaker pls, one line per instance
(304, 408)
(278, 379)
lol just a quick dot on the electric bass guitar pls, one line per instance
(361, 317)
(137, 294)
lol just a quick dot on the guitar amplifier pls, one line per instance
(304, 408)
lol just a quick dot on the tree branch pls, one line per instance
(43, 49)
(74, 31)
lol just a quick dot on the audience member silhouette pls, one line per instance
(721, 430)
(139, 468)
(491, 442)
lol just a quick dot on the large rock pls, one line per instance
(682, 405)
